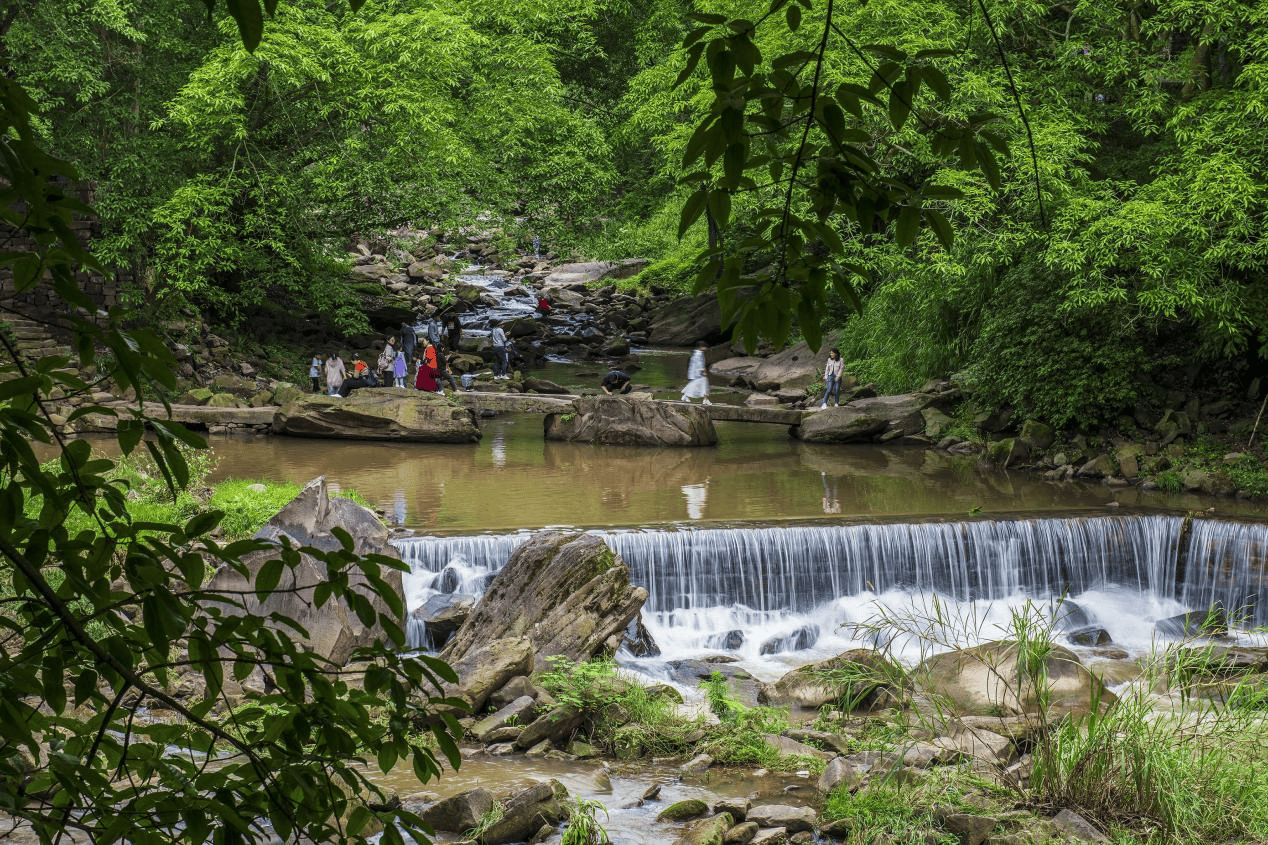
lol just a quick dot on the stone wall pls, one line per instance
(41, 302)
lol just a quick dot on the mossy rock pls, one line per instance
(680, 811)
(223, 400)
(197, 396)
(260, 399)
(286, 392)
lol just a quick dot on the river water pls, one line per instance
(513, 479)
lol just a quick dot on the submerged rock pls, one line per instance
(802, 638)
(1195, 623)
(389, 413)
(627, 421)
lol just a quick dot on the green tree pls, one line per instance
(97, 623)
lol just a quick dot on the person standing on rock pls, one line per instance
(453, 332)
(433, 330)
(697, 376)
(398, 369)
(429, 353)
(409, 339)
(314, 371)
(501, 358)
(832, 372)
(386, 360)
(335, 373)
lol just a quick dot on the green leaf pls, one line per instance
(941, 227)
(908, 225)
(266, 580)
(129, 434)
(24, 387)
(387, 758)
(250, 20)
(85, 686)
(793, 18)
(899, 105)
(202, 523)
(720, 207)
(54, 681)
(692, 209)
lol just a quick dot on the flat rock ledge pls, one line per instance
(389, 413)
(627, 421)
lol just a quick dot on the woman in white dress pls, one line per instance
(697, 376)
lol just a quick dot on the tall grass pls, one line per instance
(1168, 762)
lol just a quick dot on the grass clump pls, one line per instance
(628, 720)
(583, 825)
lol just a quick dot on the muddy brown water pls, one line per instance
(513, 479)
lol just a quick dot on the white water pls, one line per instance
(942, 583)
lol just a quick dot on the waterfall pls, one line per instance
(773, 582)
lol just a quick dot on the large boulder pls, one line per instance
(734, 370)
(390, 413)
(627, 421)
(796, 366)
(878, 417)
(684, 321)
(487, 667)
(859, 678)
(583, 273)
(459, 813)
(525, 813)
(568, 594)
(986, 680)
(334, 630)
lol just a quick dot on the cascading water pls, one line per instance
(785, 595)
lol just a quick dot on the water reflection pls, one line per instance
(831, 502)
(513, 479)
(697, 496)
(498, 446)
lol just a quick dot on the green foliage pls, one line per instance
(103, 613)
(583, 827)
(789, 160)
(1246, 470)
(722, 703)
(886, 812)
(1082, 368)
(246, 511)
(1149, 769)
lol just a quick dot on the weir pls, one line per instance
(758, 576)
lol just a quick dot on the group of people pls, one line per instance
(410, 359)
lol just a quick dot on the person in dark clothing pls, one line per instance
(442, 369)
(433, 331)
(616, 381)
(453, 331)
(409, 339)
